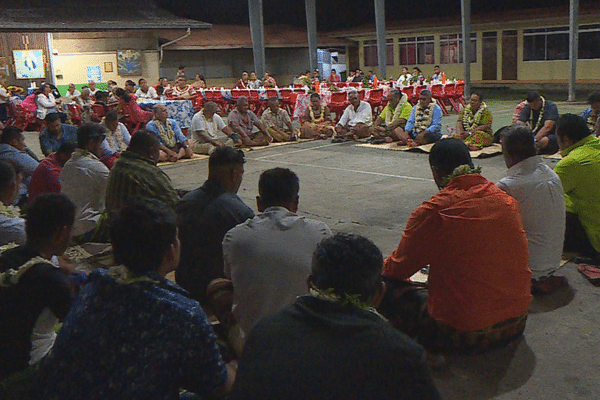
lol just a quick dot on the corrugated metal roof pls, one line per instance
(70, 15)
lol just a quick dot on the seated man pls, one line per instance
(355, 121)
(12, 226)
(425, 122)
(83, 179)
(209, 131)
(46, 177)
(130, 86)
(278, 123)
(205, 216)
(56, 133)
(474, 124)
(93, 88)
(132, 333)
(173, 144)
(117, 138)
(317, 120)
(579, 172)
(541, 204)
(145, 91)
(136, 176)
(342, 349)
(242, 121)
(590, 115)
(181, 90)
(471, 236)
(242, 83)
(269, 81)
(35, 293)
(71, 95)
(268, 257)
(13, 149)
(388, 126)
(437, 74)
(540, 116)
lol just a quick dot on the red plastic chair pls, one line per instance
(75, 113)
(217, 97)
(286, 101)
(376, 100)
(410, 92)
(298, 85)
(342, 85)
(437, 92)
(338, 103)
(256, 104)
(453, 95)
(354, 84)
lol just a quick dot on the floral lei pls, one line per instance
(424, 116)
(12, 276)
(464, 169)
(166, 132)
(538, 124)
(10, 211)
(470, 121)
(114, 138)
(395, 114)
(321, 116)
(348, 299)
(591, 121)
(212, 119)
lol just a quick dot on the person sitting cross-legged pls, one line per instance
(242, 121)
(46, 177)
(317, 120)
(425, 122)
(479, 286)
(210, 132)
(540, 115)
(132, 333)
(268, 257)
(12, 226)
(117, 138)
(541, 204)
(278, 123)
(591, 114)
(474, 125)
(136, 176)
(13, 149)
(331, 344)
(579, 172)
(56, 133)
(173, 143)
(388, 126)
(355, 121)
(35, 293)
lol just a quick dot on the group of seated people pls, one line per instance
(287, 292)
(250, 81)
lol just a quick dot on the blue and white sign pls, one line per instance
(93, 74)
(29, 64)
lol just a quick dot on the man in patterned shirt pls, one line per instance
(278, 123)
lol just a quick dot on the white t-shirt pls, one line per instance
(3, 95)
(212, 126)
(150, 94)
(363, 114)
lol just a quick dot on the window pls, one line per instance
(370, 49)
(451, 51)
(546, 44)
(416, 50)
(589, 42)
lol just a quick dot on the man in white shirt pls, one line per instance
(71, 95)
(209, 131)
(355, 120)
(93, 89)
(145, 91)
(268, 258)
(542, 204)
(83, 179)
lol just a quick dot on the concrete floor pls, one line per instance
(372, 193)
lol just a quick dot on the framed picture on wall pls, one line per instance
(108, 67)
(129, 62)
(29, 64)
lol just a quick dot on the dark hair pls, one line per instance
(122, 93)
(436, 66)
(7, 175)
(110, 80)
(333, 70)
(417, 68)
(112, 115)
(278, 186)
(594, 97)
(532, 96)
(66, 148)
(141, 233)
(426, 92)
(349, 264)
(273, 99)
(129, 82)
(160, 90)
(10, 133)
(85, 87)
(52, 117)
(478, 95)
(182, 67)
(100, 95)
(88, 132)
(449, 153)
(142, 142)
(225, 155)
(517, 141)
(48, 213)
(572, 126)
(317, 95)
(140, 81)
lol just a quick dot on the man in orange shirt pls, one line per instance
(471, 236)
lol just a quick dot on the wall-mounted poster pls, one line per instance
(129, 62)
(29, 64)
(108, 67)
(93, 74)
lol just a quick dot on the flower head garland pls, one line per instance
(347, 299)
(461, 170)
(471, 121)
(10, 211)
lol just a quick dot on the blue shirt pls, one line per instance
(140, 338)
(179, 136)
(49, 144)
(436, 120)
(23, 160)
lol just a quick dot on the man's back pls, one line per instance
(136, 338)
(316, 349)
(205, 215)
(268, 259)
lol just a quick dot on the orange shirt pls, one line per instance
(471, 235)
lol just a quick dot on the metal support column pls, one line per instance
(573, 46)
(255, 8)
(381, 43)
(311, 29)
(466, 36)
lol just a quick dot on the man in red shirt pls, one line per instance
(46, 177)
(471, 236)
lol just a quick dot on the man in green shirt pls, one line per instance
(579, 171)
(390, 123)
